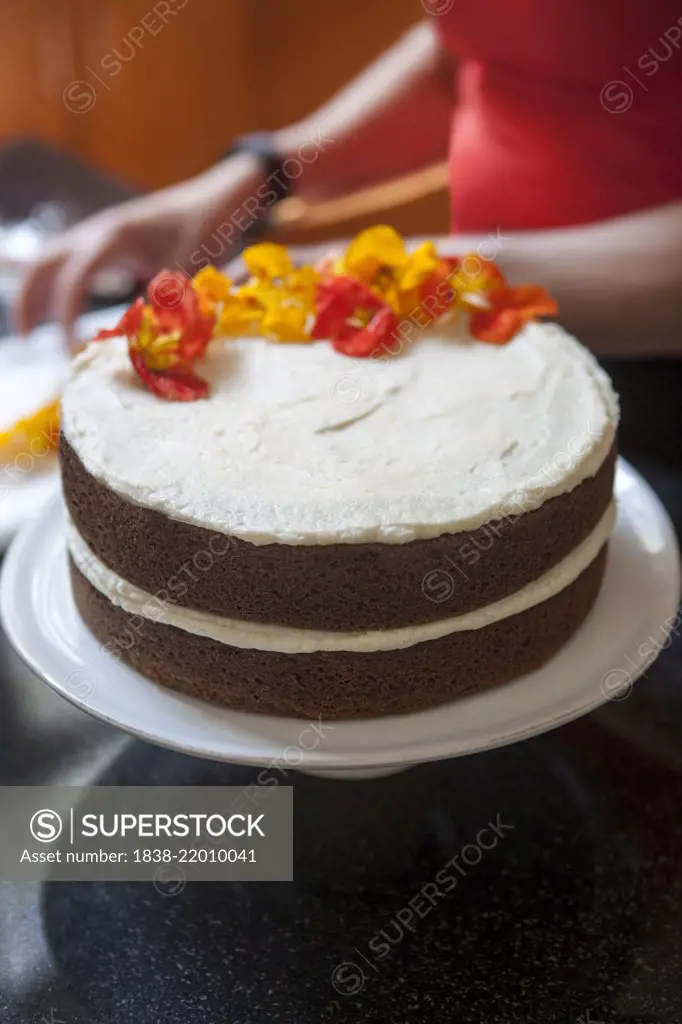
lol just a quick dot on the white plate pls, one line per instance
(619, 639)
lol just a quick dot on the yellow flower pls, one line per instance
(240, 315)
(418, 266)
(285, 321)
(277, 300)
(303, 282)
(159, 349)
(403, 303)
(378, 258)
(372, 250)
(284, 308)
(34, 435)
(210, 282)
(267, 260)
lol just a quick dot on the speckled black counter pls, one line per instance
(571, 916)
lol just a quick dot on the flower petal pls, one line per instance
(128, 325)
(368, 340)
(534, 300)
(509, 310)
(241, 314)
(420, 264)
(176, 385)
(338, 299)
(372, 249)
(285, 322)
(267, 260)
(496, 326)
(209, 282)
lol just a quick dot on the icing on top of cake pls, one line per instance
(299, 444)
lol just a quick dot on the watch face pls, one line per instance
(280, 173)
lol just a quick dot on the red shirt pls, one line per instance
(569, 111)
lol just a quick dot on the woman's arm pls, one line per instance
(618, 282)
(393, 118)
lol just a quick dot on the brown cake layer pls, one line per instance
(341, 587)
(341, 684)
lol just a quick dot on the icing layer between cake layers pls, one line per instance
(299, 445)
(342, 684)
(340, 587)
(258, 636)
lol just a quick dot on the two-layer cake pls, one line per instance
(342, 537)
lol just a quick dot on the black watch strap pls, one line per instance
(261, 146)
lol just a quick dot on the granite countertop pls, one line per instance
(572, 917)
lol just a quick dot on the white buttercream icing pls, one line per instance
(299, 444)
(263, 637)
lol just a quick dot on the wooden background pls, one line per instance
(154, 91)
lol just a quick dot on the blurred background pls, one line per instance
(151, 94)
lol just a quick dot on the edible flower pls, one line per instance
(277, 300)
(378, 258)
(34, 435)
(167, 335)
(355, 299)
(267, 261)
(508, 311)
(212, 287)
(472, 279)
(353, 317)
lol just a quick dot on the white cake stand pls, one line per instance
(626, 629)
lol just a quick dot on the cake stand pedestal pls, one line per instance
(628, 626)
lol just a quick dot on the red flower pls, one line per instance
(436, 293)
(129, 324)
(338, 298)
(510, 309)
(353, 317)
(175, 384)
(369, 339)
(176, 307)
(166, 337)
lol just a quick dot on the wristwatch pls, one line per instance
(261, 146)
(279, 184)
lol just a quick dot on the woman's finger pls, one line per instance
(76, 274)
(34, 299)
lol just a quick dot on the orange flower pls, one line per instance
(130, 323)
(176, 384)
(167, 336)
(509, 310)
(436, 294)
(34, 435)
(353, 317)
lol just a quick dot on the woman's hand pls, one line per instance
(199, 221)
